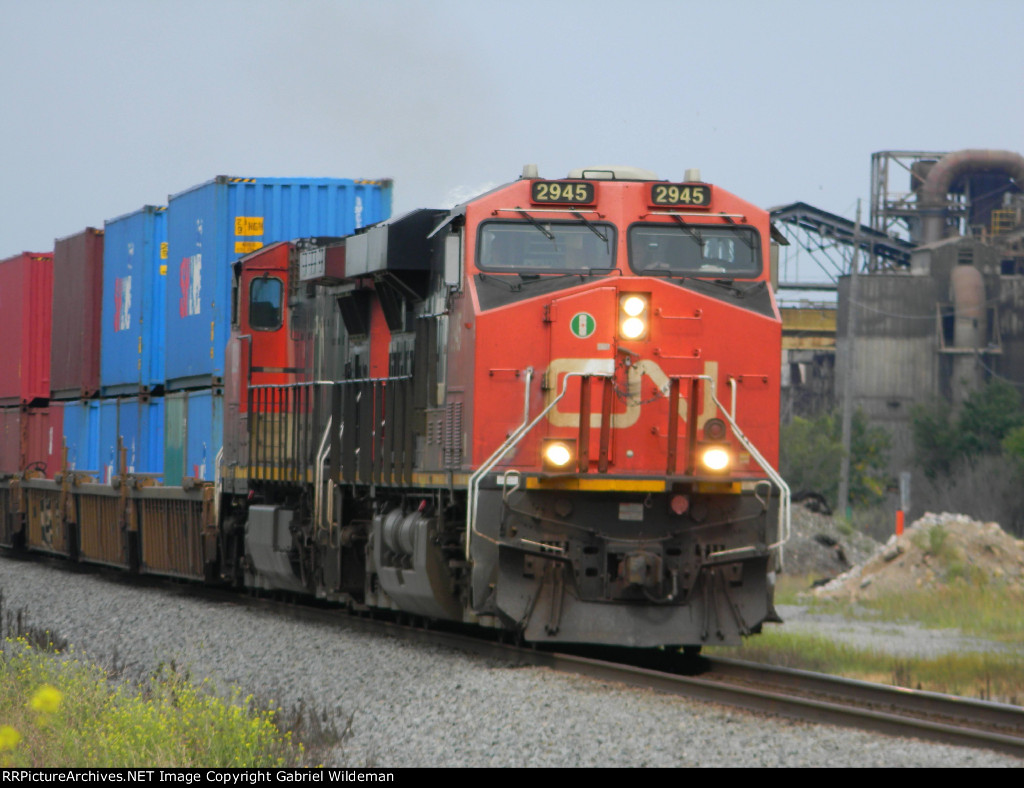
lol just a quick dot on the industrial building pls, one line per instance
(936, 307)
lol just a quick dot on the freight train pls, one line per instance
(551, 410)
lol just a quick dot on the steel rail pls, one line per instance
(981, 713)
(796, 694)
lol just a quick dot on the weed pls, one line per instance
(991, 675)
(318, 729)
(14, 625)
(64, 712)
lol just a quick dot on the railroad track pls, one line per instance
(819, 698)
(796, 694)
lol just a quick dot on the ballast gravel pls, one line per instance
(410, 705)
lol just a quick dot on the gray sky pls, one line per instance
(108, 105)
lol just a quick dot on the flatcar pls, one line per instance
(551, 410)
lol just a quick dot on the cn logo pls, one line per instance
(582, 325)
(191, 283)
(122, 303)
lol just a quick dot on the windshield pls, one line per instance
(719, 251)
(545, 247)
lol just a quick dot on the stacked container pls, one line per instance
(212, 225)
(142, 306)
(77, 304)
(81, 435)
(133, 324)
(30, 439)
(138, 422)
(108, 440)
(194, 434)
(26, 293)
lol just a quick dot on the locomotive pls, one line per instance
(552, 410)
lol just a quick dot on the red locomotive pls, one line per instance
(552, 409)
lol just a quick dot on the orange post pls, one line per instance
(899, 522)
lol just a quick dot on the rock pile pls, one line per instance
(821, 547)
(936, 550)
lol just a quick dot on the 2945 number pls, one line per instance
(562, 192)
(693, 195)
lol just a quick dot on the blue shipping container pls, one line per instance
(212, 225)
(194, 434)
(108, 440)
(82, 434)
(205, 433)
(139, 423)
(133, 324)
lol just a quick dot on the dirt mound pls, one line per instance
(822, 547)
(936, 550)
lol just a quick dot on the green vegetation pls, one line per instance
(792, 589)
(972, 459)
(972, 603)
(58, 710)
(1013, 445)
(995, 676)
(811, 452)
(991, 417)
(977, 605)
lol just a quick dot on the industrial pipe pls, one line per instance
(932, 197)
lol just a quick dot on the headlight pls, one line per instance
(633, 305)
(715, 458)
(558, 455)
(634, 315)
(633, 328)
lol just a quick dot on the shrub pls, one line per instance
(989, 418)
(811, 453)
(973, 460)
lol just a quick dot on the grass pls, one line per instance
(965, 597)
(993, 676)
(59, 710)
(792, 589)
(979, 606)
(981, 610)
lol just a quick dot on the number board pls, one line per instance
(564, 192)
(691, 195)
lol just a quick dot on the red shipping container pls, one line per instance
(31, 438)
(10, 440)
(77, 308)
(26, 303)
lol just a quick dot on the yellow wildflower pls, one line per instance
(47, 699)
(9, 738)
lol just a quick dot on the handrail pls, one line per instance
(218, 483)
(318, 479)
(784, 492)
(510, 443)
(307, 383)
(478, 474)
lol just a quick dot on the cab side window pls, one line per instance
(265, 303)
